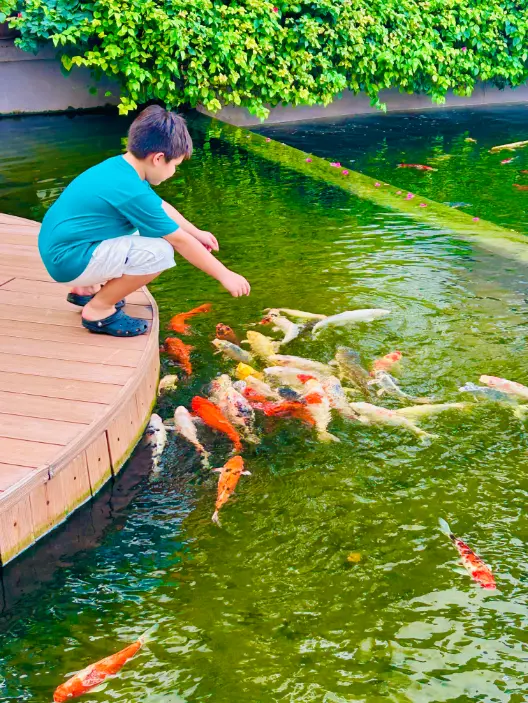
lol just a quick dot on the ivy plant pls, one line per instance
(260, 53)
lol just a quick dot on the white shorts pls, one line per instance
(132, 255)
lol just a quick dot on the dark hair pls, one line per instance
(156, 130)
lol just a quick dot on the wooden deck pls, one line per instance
(72, 404)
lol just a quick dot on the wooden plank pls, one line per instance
(15, 220)
(4, 279)
(39, 429)
(40, 317)
(50, 408)
(61, 290)
(59, 388)
(71, 335)
(122, 432)
(52, 501)
(98, 462)
(69, 352)
(30, 300)
(26, 452)
(144, 311)
(11, 474)
(16, 529)
(36, 366)
(18, 238)
(34, 273)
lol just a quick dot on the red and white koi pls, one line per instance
(235, 407)
(319, 407)
(418, 167)
(502, 384)
(477, 569)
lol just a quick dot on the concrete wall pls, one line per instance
(351, 104)
(31, 83)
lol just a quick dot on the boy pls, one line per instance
(109, 233)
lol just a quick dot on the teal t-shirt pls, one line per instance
(106, 201)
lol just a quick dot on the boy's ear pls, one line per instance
(157, 158)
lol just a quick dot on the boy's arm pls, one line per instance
(187, 246)
(206, 238)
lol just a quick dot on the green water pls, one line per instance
(267, 608)
(466, 171)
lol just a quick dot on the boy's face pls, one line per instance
(158, 170)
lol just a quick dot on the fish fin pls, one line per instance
(217, 471)
(244, 341)
(169, 428)
(246, 473)
(333, 363)
(327, 437)
(215, 518)
(253, 439)
(147, 635)
(445, 528)
(205, 459)
(520, 412)
(426, 437)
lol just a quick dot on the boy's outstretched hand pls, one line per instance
(235, 284)
(209, 241)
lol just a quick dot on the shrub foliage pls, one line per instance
(259, 53)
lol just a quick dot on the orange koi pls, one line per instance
(95, 674)
(177, 323)
(180, 352)
(213, 417)
(386, 362)
(225, 332)
(291, 408)
(418, 167)
(230, 474)
(254, 396)
(477, 569)
(520, 187)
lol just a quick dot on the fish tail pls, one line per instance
(215, 518)
(427, 437)
(147, 635)
(445, 528)
(325, 436)
(205, 459)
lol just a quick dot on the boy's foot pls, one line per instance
(82, 300)
(117, 325)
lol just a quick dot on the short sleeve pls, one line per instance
(146, 214)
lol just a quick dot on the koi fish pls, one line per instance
(225, 332)
(213, 417)
(524, 171)
(508, 161)
(261, 387)
(282, 324)
(470, 139)
(386, 362)
(387, 384)
(185, 427)
(337, 397)
(418, 167)
(372, 414)
(95, 674)
(179, 352)
(509, 147)
(488, 393)
(232, 351)
(299, 314)
(156, 437)
(234, 406)
(350, 317)
(230, 474)
(287, 408)
(349, 366)
(477, 569)
(300, 362)
(242, 371)
(508, 387)
(520, 187)
(261, 345)
(285, 375)
(319, 408)
(168, 383)
(177, 323)
(415, 412)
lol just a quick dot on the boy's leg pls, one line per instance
(103, 303)
(85, 290)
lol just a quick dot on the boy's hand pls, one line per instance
(235, 284)
(207, 239)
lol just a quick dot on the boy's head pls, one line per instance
(161, 140)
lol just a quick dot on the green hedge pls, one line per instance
(256, 53)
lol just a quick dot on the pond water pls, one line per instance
(466, 171)
(267, 607)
